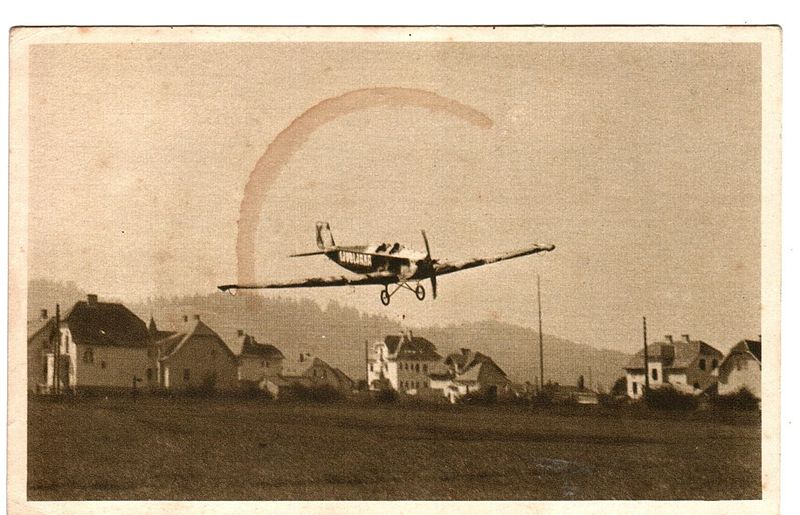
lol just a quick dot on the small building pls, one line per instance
(469, 371)
(310, 371)
(687, 365)
(42, 338)
(195, 358)
(577, 394)
(403, 362)
(741, 368)
(103, 345)
(257, 361)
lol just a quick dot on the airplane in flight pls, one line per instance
(385, 264)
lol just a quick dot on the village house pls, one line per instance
(42, 335)
(741, 368)
(308, 371)
(404, 363)
(689, 366)
(257, 361)
(101, 345)
(469, 371)
(193, 358)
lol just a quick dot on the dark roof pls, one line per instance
(412, 348)
(106, 323)
(675, 354)
(342, 377)
(36, 326)
(751, 346)
(754, 347)
(251, 347)
(467, 359)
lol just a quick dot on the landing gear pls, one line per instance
(386, 295)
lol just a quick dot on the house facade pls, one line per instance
(469, 371)
(195, 357)
(257, 361)
(102, 345)
(308, 371)
(741, 368)
(42, 337)
(689, 366)
(403, 362)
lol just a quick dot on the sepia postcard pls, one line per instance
(295, 269)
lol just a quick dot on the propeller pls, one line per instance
(429, 263)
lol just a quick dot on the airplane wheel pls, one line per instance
(385, 297)
(419, 292)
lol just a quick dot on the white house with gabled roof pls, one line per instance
(687, 365)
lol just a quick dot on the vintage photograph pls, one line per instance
(429, 264)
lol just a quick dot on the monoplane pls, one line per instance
(387, 264)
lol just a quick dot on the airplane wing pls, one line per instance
(316, 282)
(443, 267)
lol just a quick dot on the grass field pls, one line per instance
(158, 448)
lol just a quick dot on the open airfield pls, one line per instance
(160, 448)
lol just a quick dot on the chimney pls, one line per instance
(668, 337)
(686, 338)
(239, 333)
(196, 317)
(185, 318)
(92, 300)
(44, 315)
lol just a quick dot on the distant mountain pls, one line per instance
(339, 334)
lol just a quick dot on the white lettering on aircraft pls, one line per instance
(355, 258)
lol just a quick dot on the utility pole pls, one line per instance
(57, 355)
(646, 372)
(366, 360)
(541, 347)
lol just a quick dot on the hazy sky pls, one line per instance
(640, 162)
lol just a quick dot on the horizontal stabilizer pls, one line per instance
(315, 253)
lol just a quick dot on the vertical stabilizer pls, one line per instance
(324, 236)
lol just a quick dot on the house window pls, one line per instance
(426, 384)
(654, 373)
(370, 367)
(88, 356)
(702, 364)
(149, 374)
(186, 374)
(103, 365)
(425, 368)
(416, 367)
(635, 388)
(714, 364)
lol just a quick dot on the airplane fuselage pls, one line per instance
(378, 258)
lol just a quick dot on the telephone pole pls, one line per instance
(57, 355)
(646, 372)
(541, 347)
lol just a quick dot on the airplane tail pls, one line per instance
(324, 236)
